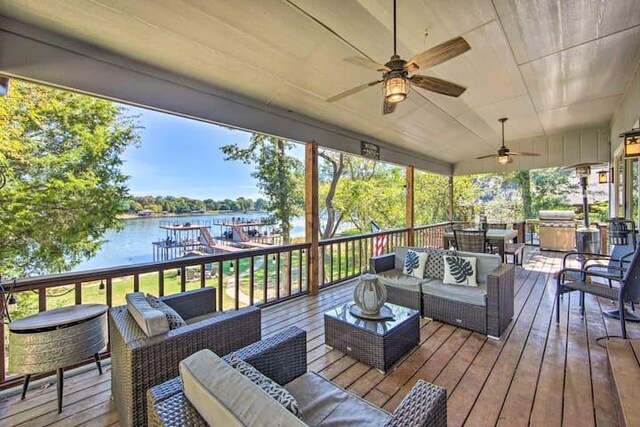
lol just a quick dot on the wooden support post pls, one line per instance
(410, 217)
(450, 213)
(312, 219)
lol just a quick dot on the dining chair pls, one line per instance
(471, 240)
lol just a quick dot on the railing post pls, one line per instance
(410, 217)
(312, 220)
(450, 213)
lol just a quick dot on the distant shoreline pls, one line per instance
(177, 215)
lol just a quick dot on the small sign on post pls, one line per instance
(369, 150)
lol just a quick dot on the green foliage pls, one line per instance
(181, 205)
(280, 176)
(550, 188)
(61, 153)
(371, 191)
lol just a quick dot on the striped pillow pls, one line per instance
(174, 319)
(272, 388)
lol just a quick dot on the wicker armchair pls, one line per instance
(471, 240)
(139, 362)
(283, 357)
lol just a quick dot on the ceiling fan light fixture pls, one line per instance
(505, 160)
(395, 89)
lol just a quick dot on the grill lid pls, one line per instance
(556, 216)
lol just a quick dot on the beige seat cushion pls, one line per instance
(398, 279)
(152, 321)
(323, 403)
(225, 397)
(476, 295)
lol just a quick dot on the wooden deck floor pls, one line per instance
(536, 374)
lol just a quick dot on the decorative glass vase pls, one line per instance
(369, 294)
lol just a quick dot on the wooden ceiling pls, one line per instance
(549, 65)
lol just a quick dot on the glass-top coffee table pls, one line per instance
(379, 343)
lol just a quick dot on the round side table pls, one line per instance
(54, 339)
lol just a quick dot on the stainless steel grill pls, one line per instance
(557, 230)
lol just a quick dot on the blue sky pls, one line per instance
(182, 157)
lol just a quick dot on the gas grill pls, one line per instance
(557, 230)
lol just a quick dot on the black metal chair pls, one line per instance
(622, 240)
(578, 279)
(471, 240)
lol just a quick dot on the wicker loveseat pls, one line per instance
(283, 358)
(139, 362)
(487, 309)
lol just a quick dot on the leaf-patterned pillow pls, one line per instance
(414, 263)
(272, 388)
(175, 320)
(460, 270)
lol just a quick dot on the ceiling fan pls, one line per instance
(395, 73)
(504, 154)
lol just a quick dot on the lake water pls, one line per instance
(132, 244)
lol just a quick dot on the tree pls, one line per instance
(371, 191)
(523, 178)
(61, 154)
(261, 204)
(280, 176)
(431, 197)
(331, 171)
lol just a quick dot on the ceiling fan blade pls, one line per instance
(388, 107)
(488, 156)
(517, 153)
(437, 85)
(367, 63)
(352, 91)
(439, 54)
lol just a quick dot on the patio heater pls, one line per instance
(587, 238)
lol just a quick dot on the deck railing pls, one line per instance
(253, 277)
(343, 258)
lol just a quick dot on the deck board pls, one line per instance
(539, 373)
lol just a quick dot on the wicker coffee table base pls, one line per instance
(379, 351)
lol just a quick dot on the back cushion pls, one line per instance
(225, 397)
(400, 254)
(485, 264)
(151, 321)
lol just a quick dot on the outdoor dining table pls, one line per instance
(495, 236)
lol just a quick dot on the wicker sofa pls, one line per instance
(139, 362)
(487, 309)
(283, 358)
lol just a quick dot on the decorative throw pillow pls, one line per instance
(460, 270)
(272, 388)
(414, 263)
(174, 319)
(434, 268)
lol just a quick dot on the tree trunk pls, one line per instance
(524, 180)
(337, 167)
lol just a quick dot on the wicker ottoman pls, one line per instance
(376, 343)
